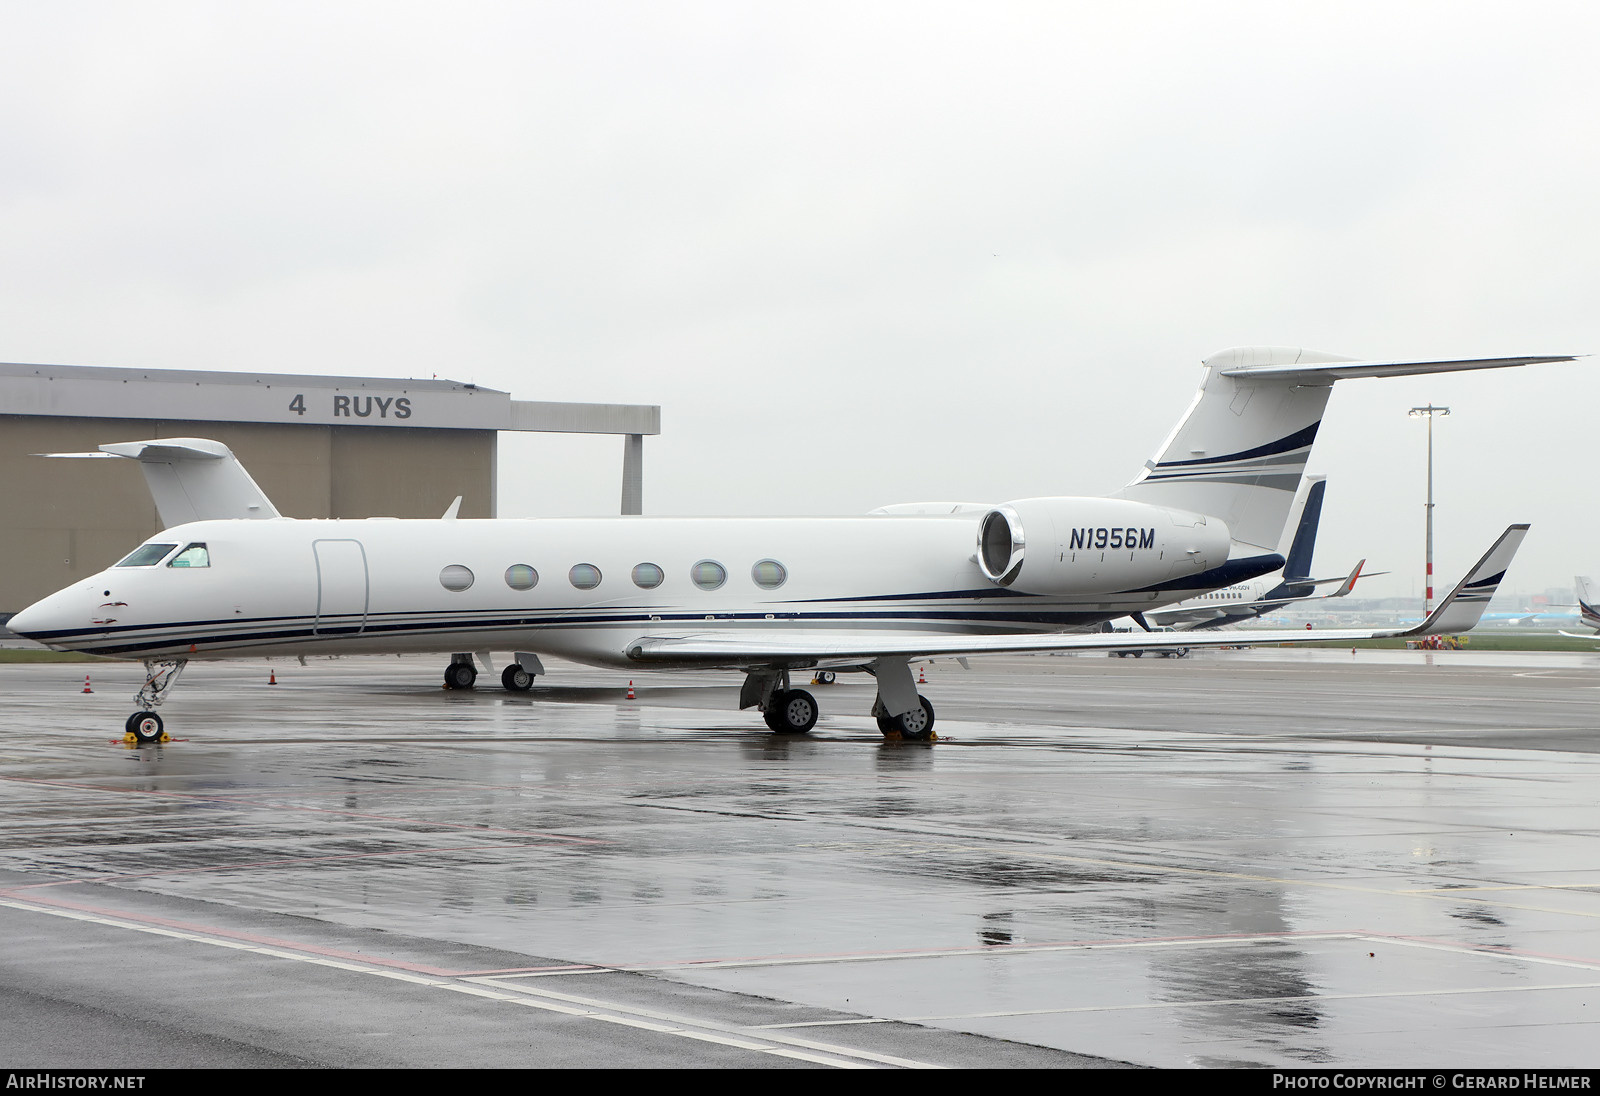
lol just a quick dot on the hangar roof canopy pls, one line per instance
(206, 396)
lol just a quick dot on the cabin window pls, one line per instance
(519, 576)
(455, 577)
(647, 576)
(585, 576)
(195, 555)
(769, 574)
(708, 574)
(147, 555)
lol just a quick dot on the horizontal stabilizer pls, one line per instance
(191, 479)
(1240, 451)
(1328, 372)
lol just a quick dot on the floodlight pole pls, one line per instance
(1429, 412)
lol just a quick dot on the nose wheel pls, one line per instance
(146, 727)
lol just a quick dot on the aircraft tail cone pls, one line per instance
(86, 684)
(630, 691)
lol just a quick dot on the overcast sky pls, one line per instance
(859, 253)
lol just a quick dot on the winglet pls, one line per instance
(455, 509)
(1462, 607)
(1349, 583)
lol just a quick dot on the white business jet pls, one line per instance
(763, 596)
(1245, 601)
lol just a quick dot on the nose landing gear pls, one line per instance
(159, 677)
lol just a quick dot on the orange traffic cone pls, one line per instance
(86, 684)
(922, 678)
(272, 677)
(630, 691)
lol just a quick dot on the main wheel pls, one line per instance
(792, 712)
(516, 679)
(915, 725)
(460, 675)
(145, 726)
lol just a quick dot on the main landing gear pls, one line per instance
(792, 711)
(913, 726)
(518, 677)
(159, 677)
(900, 710)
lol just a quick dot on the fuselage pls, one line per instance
(579, 588)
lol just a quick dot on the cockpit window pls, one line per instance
(195, 555)
(147, 555)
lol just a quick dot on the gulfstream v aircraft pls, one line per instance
(761, 596)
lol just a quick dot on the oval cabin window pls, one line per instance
(708, 574)
(769, 574)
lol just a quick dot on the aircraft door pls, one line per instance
(342, 589)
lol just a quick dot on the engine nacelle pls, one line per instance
(1095, 546)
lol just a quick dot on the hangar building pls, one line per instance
(320, 447)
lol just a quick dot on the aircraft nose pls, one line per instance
(44, 617)
(28, 622)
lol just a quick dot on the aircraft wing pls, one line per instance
(734, 647)
(1167, 618)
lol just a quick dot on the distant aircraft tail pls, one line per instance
(191, 479)
(1588, 604)
(1239, 451)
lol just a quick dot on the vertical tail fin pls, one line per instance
(191, 479)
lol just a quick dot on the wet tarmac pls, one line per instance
(1249, 858)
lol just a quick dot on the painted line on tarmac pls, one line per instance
(708, 1031)
(1212, 1003)
(986, 950)
(293, 861)
(733, 1030)
(990, 951)
(247, 802)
